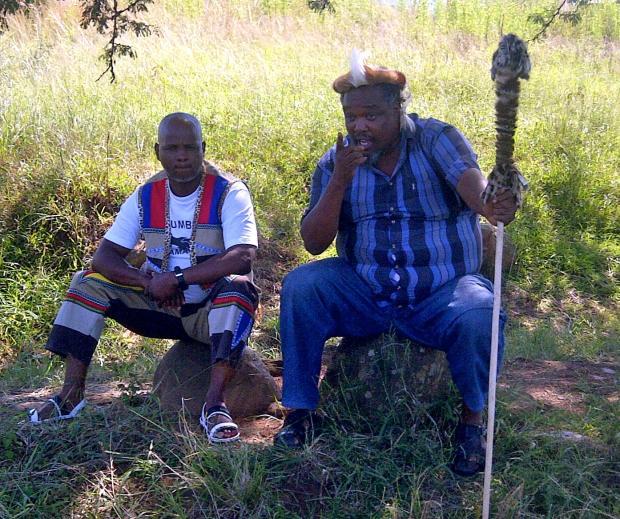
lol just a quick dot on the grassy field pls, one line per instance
(257, 73)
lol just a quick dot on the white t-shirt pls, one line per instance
(238, 227)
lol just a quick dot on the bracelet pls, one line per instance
(178, 273)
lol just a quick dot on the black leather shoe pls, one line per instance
(300, 426)
(469, 450)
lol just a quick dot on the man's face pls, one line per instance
(180, 151)
(371, 122)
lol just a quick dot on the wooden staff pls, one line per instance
(510, 62)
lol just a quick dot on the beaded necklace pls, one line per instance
(168, 234)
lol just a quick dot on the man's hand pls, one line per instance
(347, 159)
(501, 208)
(164, 290)
(319, 226)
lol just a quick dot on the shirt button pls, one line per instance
(393, 245)
(393, 221)
(391, 208)
(398, 287)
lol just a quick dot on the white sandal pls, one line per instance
(33, 414)
(212, 430)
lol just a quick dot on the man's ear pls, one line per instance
(157, 150)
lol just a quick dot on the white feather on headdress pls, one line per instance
(358, 67)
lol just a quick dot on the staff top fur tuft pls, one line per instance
(510, 64)
(510, 60)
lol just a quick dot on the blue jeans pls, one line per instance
(326, 298)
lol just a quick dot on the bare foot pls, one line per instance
(224, 432)
(218, 415)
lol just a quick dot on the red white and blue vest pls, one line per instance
(209, 235)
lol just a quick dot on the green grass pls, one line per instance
(258, 76)
(128, 459)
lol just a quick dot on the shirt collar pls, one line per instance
(409, 127)
(407, 134)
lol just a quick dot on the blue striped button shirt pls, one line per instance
(408, 234)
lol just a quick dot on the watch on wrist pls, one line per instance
(178, 273)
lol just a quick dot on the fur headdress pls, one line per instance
(362, 73)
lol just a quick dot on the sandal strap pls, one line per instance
(218, 413)
(59, 407)
(213, 429)
(224, 425)
(469, 449)
(57, 401)
(298, 428)
(220, 409)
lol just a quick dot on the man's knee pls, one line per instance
(244, 286)
(474, 327)
(78, 278)
(304, 281)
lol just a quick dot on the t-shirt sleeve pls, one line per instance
(125, 230)
(238, 221)
(453, 154)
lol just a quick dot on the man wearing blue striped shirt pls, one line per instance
(401, 195)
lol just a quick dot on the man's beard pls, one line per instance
(373, 158)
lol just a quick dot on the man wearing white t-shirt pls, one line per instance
(200, 237)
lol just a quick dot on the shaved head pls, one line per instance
(179, 118)
(181, 151)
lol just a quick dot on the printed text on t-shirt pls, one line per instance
(180, 224)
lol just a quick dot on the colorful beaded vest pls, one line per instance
(207, 237)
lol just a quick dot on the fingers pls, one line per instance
(501, 208)
(502, 197)
(339, 143)
(176, 301)
(345, 151)
(505, 214)
(351, 156)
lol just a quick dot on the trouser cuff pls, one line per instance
(64, 341)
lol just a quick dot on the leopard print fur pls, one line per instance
(510, 63)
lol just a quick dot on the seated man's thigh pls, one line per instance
(230, 307)
(465, 302)
(328, 298)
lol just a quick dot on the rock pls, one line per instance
(509, 254)
(384, 370)
(182, 378)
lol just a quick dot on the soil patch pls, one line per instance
(526, 384)
(560, 384)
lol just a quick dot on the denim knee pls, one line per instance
(300, 282)
(471, 332)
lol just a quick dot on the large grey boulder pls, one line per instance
(377, 373)
(182, 378)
